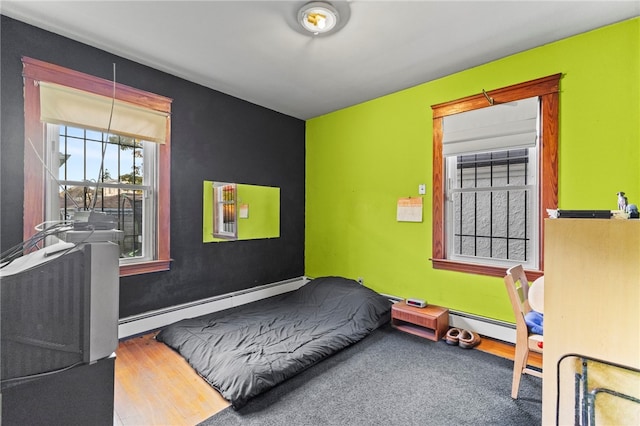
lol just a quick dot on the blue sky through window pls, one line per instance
(83, 165)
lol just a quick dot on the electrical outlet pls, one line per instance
(422, 189)
(361, 280)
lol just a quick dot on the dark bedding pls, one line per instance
(246, 350)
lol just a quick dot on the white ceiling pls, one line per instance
(254, 50)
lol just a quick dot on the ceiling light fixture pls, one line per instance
(318, 18)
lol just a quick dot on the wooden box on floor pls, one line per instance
(430, 322)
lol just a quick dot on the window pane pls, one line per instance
(81, 154)
(70, 198)
(483, 246)
(72, 149)
(501, 175)
(110, 162)
(73, 132)
(91, 134)
(517, 214)
(500, 248)
(500, 213)
(483, 218)
(518, 250)
(489, 219)
(131, 224)
(131, 161)
(494, 224)
(492, 169)
(467, 246)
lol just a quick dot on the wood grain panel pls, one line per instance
(549, 162)
(156, 386)
(528, 89)
(33, 207)
(591, 302)
(439, 239)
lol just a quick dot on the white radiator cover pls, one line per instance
(487, 327)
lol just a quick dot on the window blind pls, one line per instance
(64, 105)
(504, 126)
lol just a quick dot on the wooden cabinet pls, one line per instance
(591, 303)
(430, 322)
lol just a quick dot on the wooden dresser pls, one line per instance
(430, 322)
(591, 307)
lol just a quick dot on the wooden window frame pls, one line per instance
(547, 89)
(34, 173)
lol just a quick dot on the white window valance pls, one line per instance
(64, 105)
(511, 125)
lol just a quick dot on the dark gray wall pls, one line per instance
(213, 137)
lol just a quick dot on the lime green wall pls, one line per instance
(263, 206)
(361, 159)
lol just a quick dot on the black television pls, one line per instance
(59, 308)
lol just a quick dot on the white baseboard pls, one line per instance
(152, 320)
(484, 326)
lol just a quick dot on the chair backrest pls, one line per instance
(518, 290)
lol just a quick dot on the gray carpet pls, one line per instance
(393, 378)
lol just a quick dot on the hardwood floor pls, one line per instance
(506, 350)
(156, 386)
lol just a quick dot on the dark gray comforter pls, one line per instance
(246, 350)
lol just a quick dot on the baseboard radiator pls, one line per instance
(488, 327)
(152, 320)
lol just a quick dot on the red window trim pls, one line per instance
(34, 71)
(547, 88)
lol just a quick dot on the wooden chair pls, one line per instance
(518, 290)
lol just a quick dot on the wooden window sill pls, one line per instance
(472, 268)
(145, 267)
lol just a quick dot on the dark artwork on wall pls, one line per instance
(213, 135)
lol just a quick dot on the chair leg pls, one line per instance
(519, 364)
